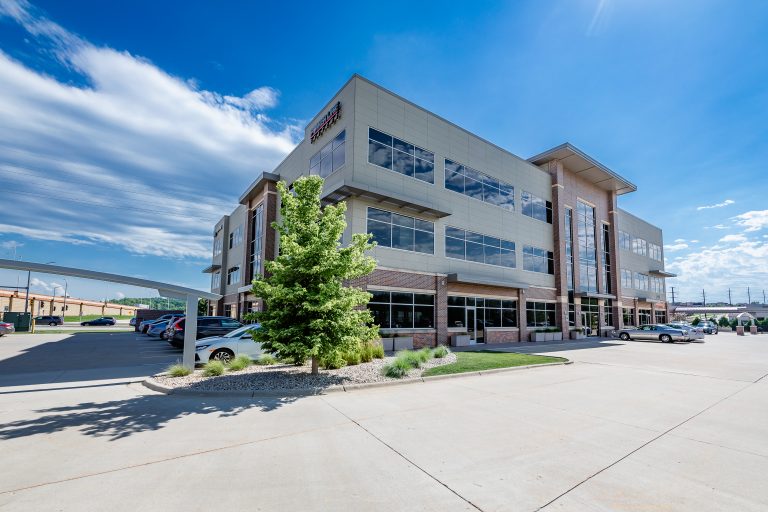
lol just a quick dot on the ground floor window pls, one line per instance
(487, 312)
(628, 315)
(402, 310)
(661, 316)
(540, 314)
(228, 310)
(608, 312)
(571, 314)
(645, 316)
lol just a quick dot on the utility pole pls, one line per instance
(26, 299)
(729, 297)
(749, 297)
(763, 297)
(673, 295)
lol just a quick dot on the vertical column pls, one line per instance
(522, 320)
(636, 318)
(441, 310)
(558, 231)
(600, 316)
(613, 218)
(190, 332)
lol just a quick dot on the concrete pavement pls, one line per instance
(635, 426)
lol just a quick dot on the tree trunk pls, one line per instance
(315, 365)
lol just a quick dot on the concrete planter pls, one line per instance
(387, 344)
(539, 336)
(577, 335)
(557, 336)
(403, 343)
(740, 330)
(460, 340)
(752, 329)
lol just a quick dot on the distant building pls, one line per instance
(471, 238)
(11, 300)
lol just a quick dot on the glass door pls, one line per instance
(471, 324)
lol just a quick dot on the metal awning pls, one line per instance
(418, 206)
(211, 268)
(661, 273)
(594, 295)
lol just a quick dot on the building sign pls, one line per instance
(325, 122)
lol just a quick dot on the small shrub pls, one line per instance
(398, 368)
(241, 362)
(440, 352)
(696, 321)
(266, 360)
(411, 358)
(425, 354)
(378, 351)
(178, 370)
(352, 357)
(213, 369)
(333, 362)
(366, 352)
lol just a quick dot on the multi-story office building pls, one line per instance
(471, 238)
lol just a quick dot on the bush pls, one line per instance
(398, 368)
(378, 351)
(241, 362)
(266, 360)
(425, 354)
(352, 357)
(723, 322)
(213, 369)
(333, 361)
(440, 352)
(177, 370)
(696, 321)
(413, 359)
(366, 352)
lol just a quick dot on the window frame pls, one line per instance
(483, 180)
(418, 151)
(392, 226)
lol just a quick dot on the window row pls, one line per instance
(642, 282)
(538, 260)
(402, 310)
(330, 157)
(233, 275)
(639, 246)
(400, 156)
(477, 313)
(401, 232)
(471, 246)
(536, 207)
(475, 184)
(236, 237)
(218, 246)
(540, 314)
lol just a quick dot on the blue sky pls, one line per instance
(128, 128)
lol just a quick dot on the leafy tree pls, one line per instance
(696, 321)
(723, 322)
(308, 311)
(202, 307)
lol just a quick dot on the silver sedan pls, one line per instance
(694, 333)
(663, 333)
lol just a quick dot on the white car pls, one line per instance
(225, 348)
(694, 333)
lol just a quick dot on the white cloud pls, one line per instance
(39, 283)
(694, 241)
(733, 238)
(754, 220)
(136, 158)
(716, 226)
(119, 295)
(718, 205)
(679, 240)
(675, 247)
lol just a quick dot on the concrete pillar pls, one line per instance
(522, 321)
(600, 316)
(190, 332)
(636, 318)
(441, 310)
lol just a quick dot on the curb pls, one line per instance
(333, 389)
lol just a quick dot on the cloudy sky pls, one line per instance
(127, 130)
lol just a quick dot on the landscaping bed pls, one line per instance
(488, 360)
(291, 377)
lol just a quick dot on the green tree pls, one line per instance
(696, 321)
(723, 322)
(308, 311)
(202, 307)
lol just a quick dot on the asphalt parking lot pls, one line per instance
(629, 426)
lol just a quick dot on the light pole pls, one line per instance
(64, 308)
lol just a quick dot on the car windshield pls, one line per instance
(240, 331)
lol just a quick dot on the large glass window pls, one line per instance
(402, 310)
(538, 260)
(644, 316)
(640, 246)
(488, 312)
(401, 232)
(608, 313)
(257, 232)
(477, 185)
(400, 156)
(536, 207)
(540, 314)
(330, 157)
(626, 278)
(654, 251)
(585, 220)
(657, 285)
(569, 247)
(641, 282)
(471, 246)
(661, 316)
(625, 240)
(607, 275)
(217, 246)
(236, 237)
(233, 275)
(628, 315)
(216, 280)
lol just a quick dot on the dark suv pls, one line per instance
(48, 320)
(206, 326)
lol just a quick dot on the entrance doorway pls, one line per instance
(590, 316)
(474, 326)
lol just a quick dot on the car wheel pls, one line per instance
(624, 336)
(52, 324)
(223, 354)
(665, 338)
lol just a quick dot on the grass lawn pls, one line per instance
(486, 360)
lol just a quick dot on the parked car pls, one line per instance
(225, 348)
(105, 320)
(695, 333)
(663, 333)
(6, 328)
(207, 326)
(708, 326)
(158, 329)
(144, 326)
(49, 320)
(132, 322)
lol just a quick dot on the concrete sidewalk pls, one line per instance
(629, 426)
